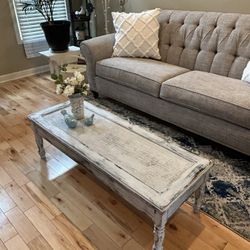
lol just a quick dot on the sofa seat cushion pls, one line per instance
(145, 75)
(218, 96)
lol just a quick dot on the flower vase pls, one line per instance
(77, 106)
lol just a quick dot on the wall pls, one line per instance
(12, 56)
(240, 6)
(114, 6)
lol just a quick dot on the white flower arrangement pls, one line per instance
(71, 85)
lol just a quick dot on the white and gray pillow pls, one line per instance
(246, 73)
(137, 34)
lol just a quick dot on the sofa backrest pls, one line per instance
(207, 41)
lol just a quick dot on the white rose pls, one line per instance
(59, 89)
(76, 73)
(79, 76)
(67, 80)
(74, 81)
(69, 90)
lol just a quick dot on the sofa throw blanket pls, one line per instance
(246, 73)
(137, 34)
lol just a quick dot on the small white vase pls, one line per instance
(77, 106)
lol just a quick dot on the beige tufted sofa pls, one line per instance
(196, 85)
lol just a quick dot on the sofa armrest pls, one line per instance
(95, 50)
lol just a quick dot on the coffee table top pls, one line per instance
(138, 159)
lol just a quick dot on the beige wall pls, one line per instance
(100, 15)
(12, 56)
(241, 6)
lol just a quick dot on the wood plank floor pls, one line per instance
(56, 205)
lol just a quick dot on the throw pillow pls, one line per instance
(137, 34)
(246, 73)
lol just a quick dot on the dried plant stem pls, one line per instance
(106, 9)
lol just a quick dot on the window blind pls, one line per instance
(30, 31)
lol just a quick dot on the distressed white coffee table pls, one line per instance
(154, 176)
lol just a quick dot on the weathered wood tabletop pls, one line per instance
(153, 175)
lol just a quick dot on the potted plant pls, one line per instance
(57, 32)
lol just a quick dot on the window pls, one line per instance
(29, 31)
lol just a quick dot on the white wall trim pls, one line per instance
(23, 73)
(15, 21)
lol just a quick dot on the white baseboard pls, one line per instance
(23, 73)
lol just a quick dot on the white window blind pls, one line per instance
(28, 26)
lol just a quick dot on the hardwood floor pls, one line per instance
(56, 205)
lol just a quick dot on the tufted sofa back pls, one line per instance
(207, 41)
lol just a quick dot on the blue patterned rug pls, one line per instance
(227, 196)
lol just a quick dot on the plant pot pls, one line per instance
(77, 106)
(57, 34)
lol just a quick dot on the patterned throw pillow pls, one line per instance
(137, 34)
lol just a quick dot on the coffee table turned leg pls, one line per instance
(159, 234)
(199, 194)
(39, 143)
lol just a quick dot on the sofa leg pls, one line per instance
(95, 94)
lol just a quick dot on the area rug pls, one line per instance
(227, 196)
